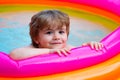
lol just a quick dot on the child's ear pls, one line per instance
(36, 41)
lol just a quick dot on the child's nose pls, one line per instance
(56, 36)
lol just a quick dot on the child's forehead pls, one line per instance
(55, 28)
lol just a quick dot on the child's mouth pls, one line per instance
(56, 43)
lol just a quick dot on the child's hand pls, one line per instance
(61, 52)
(94, 45)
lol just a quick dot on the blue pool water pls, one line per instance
(11, 38)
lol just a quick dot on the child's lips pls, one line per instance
(56, 43)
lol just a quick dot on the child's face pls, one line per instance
(52, 38)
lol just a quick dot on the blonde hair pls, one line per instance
(47, 19)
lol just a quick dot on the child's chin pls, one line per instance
(57, 47)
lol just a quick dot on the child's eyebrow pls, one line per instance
(63, 28)
(47, 29)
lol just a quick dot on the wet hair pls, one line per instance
(47, 19)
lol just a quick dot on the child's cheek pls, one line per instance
(65, 39)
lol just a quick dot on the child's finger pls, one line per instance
(59, 52)
(64, 52)
(68, 51)
(92, 44)
(100, 46)
(84, 44)
(97, 45)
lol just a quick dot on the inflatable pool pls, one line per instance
(80, 57)
(100, 65)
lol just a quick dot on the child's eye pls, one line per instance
(61, 32)
(49, 32)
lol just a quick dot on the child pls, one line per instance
(49, 32)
